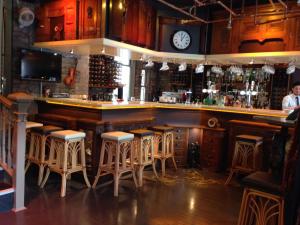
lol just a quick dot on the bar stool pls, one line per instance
(37, 148)
(263, 200)
(247, 156)
(164, 145)
(29, 125)
(116, 157)
(265, 193)
(143, 152)
(67, 156)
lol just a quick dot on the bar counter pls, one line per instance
(190, 122)
(101, 105)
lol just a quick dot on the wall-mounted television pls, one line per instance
(40, 65)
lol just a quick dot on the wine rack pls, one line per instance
(279, 88)
(104, 72)
(180, 79)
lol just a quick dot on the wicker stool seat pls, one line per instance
(31, 124)
(164, 145)
(39, 144)
(247, 156)
(116, 157)
(67, 156)
(143, 152)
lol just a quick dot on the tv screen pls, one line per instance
(39, 65)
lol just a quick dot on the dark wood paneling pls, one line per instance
(221, 39)
(89, 19)
(66, 10)
(260, 34)
(88, 13)
(212, 148)
(117, 19)
(139, 23)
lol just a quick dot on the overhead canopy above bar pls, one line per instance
(111, 47)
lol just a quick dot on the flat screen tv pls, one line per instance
(40, 65)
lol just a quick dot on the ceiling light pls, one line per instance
(72, 51)
(149, 63)
(199, 68)
(103, 50)
(182, 67)
(268, 69)
(291, 68)
(216, 69)
(251, 62)
(164, 66)
(236, 70)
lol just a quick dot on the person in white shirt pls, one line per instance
(292, 101)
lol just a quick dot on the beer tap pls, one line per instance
(249, 92)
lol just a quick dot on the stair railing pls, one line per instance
(13, 114)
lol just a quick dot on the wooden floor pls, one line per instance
(187, 197)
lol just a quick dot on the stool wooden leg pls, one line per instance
(100, 164)
(83, 164)
(134, 179)
(229, 177)
(46, 178)
(116, 172)
(243, 207)
(42, 159)
(174, 162)
(163, 166)
(116, 185)
(50, 161)
(30, 154)
(152, 157)
(64, 174)
(27, 165)
(140, 176)
(154, 169)
(41, 173)
(63, 185)
(172, 150)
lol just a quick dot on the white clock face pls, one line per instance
(181, 40)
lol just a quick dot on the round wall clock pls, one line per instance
(181, 40)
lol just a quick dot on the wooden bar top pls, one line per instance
(140, 105)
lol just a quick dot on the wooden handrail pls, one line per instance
(14, 110)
